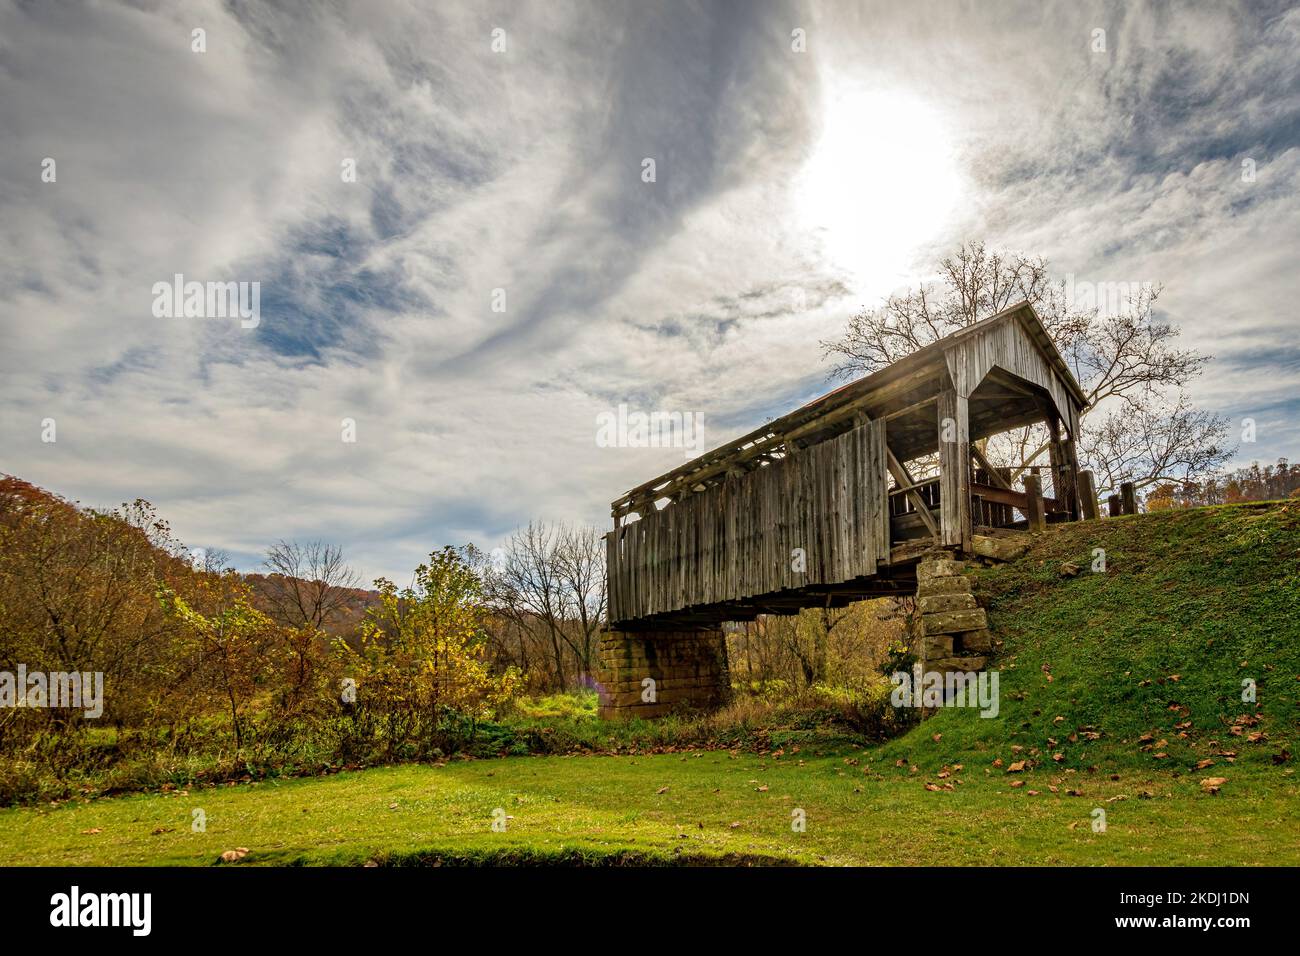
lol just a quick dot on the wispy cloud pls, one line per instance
(515, 179)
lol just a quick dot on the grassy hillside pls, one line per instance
(1190, 604)
(1120, 690)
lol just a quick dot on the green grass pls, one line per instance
(577, 705)
(1189, 605)
(603, 809)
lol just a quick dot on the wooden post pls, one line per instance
(954, 470)
(1128, 495)
(1113, 504)
(1036, 512)
(1065, 467)
(1088, 496)
(1068, 479)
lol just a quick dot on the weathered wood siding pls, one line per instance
(735, 540)
(1008, 346)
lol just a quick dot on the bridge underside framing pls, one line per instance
(837, 501)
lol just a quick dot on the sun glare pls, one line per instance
(881, 180)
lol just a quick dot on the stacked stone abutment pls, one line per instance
(653, 673)
(954, 628)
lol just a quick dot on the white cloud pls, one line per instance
(706, 291)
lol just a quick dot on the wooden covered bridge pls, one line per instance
(833, 503)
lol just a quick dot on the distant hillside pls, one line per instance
(21, 500)
(343, 621)
(1142, 664)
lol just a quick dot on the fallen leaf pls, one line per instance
(1016, 767)
(661, 790)
(1212, 784)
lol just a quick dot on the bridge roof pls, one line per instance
(891, 391)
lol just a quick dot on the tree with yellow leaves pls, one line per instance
(422, 647)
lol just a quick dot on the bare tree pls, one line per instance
(308, 584)
(528, 591)
(550, 586)
(580, 556)
(1127, 363)
(1167, 443)
(211, 560)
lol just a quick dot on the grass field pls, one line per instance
(1121, 691)
(718, 806)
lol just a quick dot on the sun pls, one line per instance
(881, 180)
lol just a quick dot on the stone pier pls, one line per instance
(653, 673)
(954, 628)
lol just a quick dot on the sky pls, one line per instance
(466, 264)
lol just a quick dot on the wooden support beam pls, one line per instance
(995, 474)
(915, 406)
(1064, 468)
(1088, 496)
(1071, 454)
(901, 475)
(1001, 496)
(1036, 512)
(954, 470)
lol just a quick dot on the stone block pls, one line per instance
(932, 568)
(955, 584)
(999, 548)
(938, 645)
(689, 669)
(950, 622)
(936, 603)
